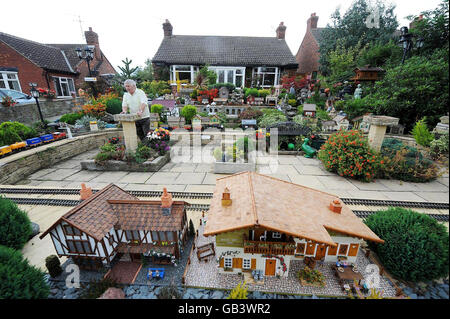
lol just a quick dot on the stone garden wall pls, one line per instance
(28, 113)
(18, 166)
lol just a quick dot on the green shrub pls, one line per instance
(15, 226)
(53, 266)
(251, 92)
(263, 92)
(421, 133)
(415, 247)
(271, 117)
(250, 113)
(12, 132)
(114, 106)
(439, 147)
(239, 292)
(71, 118)
(229, 86)
(20, 280)
(312, 276)
(347, 153)
(406, 163)
(157, 108)
(292, 102)
(188, 112)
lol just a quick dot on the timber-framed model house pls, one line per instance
(262, 223)
(112, 223)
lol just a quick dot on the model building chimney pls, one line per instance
(85, 192)
(167, 27)
(226, 199)
(336, 206)
(312, 22)
(166, 202)
(92, 40)
(281, 31)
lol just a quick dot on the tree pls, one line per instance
(352, 28)
(208, 75)
(128, 72)
(20, 280)
(145, 73)
(413, 90)
(415, 247)
(15, 226)
(342, 60)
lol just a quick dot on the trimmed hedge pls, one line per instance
(415, 247)
(20, 280)
(15, 226)
(12, 132)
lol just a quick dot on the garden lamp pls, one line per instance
(35, 93)
(88, 57)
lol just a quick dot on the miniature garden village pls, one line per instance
(328, 173)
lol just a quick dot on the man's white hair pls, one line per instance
(129, 81)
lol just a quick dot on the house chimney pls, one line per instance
(166, 202)
(336, 206)
(167, 27)
(281, 31)
(312, 22)
(92, 39)
(226, 199)
(85, 193)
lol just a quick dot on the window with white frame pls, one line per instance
(229, 74)
(246, 263)
(228, 262)
(266, 76)
(276, 235)
(64, 86)
(9, 80)
(185, 72)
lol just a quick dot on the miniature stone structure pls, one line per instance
(442, 126)
(358, 92)
(378, 124)
(129, 129)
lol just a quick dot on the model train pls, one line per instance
(31, 142)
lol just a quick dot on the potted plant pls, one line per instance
(8, 101)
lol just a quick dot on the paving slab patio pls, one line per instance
(210, 178)
(83, 176)
(136, 177)
(336, 182)
(109, 177)
(163, 177)
(404, 196)
(437, 197)
(59, 174)
(190, 178)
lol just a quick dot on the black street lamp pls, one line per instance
(35, 93)
(406, 39)
(88, 57)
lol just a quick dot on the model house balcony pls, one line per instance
(269, 247)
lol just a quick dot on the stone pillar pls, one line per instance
(129, 130)
(377, 130)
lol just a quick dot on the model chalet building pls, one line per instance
(111, 223)
(262, 223)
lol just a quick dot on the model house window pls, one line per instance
(246, 263)
(343, 249)
(10, 80)
(79, 246)
(266, 76)
(132, 235)
(169, 236)
(155, 236)
(111, 240)
(184, 72)
(301, 248)
(71, 231)
(228, 262)
(276, 235)
(63, 86)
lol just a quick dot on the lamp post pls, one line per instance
(35, 94)
(406, 39)
(88, 57)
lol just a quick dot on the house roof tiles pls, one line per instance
(259, 200)
(224, 50)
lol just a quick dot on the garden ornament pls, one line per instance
(309, 151)
(358, 92)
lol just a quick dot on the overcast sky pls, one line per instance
(133, 29)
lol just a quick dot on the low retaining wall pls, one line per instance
(148, 166)
(18, 166)
(28, 113)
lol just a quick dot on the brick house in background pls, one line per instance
(240, 60)
(52, 66)
(308, 53)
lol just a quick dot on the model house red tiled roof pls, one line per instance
(299, 211)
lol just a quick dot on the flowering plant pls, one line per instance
(114, 140)
(8, 101)
(158, 140)
(47, 93)
(212, 94)
(348, 154)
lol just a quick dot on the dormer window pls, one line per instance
(276, 235)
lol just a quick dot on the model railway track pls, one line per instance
(191, 195)
(191, 207)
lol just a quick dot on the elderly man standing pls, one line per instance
(135, 101)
